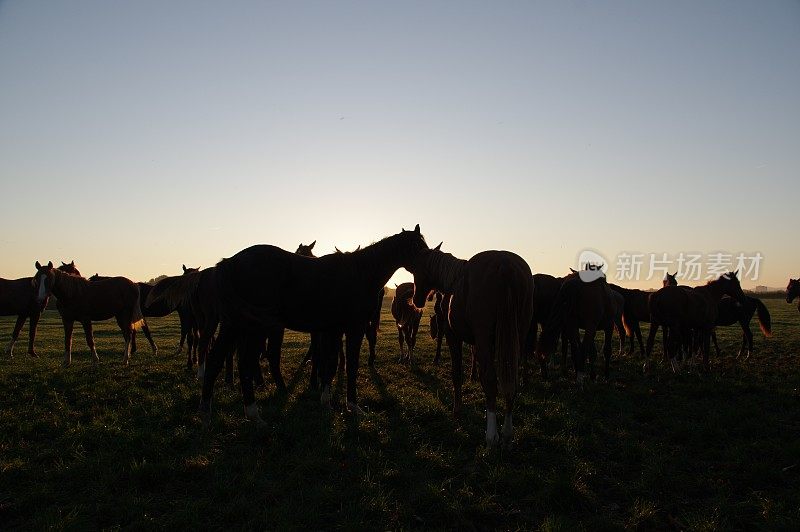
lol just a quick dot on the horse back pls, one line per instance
(101, 300)
(17, 297)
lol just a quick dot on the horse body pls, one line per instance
(793, 291)
(85, 301)
(730, 312)
(491, 308)
(635, 310)
(264, 288)
(683, 311)
(590, 306)
(406, 317)
(438, 322)
(18, 298)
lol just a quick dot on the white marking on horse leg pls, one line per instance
(508, 427)
(491, 428)
(95, 356)
(10, 348)
(126, 359)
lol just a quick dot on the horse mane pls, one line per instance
(70, 286)
(173, 290)
(373, 253)
(448, 269)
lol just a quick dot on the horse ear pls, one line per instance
(395, 285)
(63, 263)
(736, 274)
(358, 248)
(337, 249)
(675, 274)
(38, 266)
(50, 264)
(72, 263)
(416, 229)
(184, 267)
(311, 245)
(573, 271)
(439, 247)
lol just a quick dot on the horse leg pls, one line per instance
(607, 341)
(68, 325)
(340, 351)
(32, 332)
(473, 374)
(438, 357)
(354, 340)
(412, 340)
(651, 339)
(587, 350)
(637, 331)
(248, 349)
(274, 358)
(212, 363)
(716, 345)
(372, 339)
(746, 330)
(483, 353)
(203, 350)
(455, 346)
(229, 368)
(400, 340)
(706, 347)
(15, 334)
(87, 330)
(325, 353)
(146, 331)
(566, 343)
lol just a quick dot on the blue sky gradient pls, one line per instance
(136, 136)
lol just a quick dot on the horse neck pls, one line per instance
(445, 271)
(378, 261)
(66, 286)
(713, 289)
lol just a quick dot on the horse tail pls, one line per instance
(173, 290)
(626, 325)
(764, 319)
(137, 318)
(508, 340)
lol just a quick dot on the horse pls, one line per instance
(189, 333)
(635, 310)
(373, 325)
(590, 305)
(546, 287)
(82, 300)
(158, 310)
(793, 291)
(407, 318)
(730, 311)
(263, 287)
(491, 308)
(18, 298)
(681, 310)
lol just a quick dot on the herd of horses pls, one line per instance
(492, 302)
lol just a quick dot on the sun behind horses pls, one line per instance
(491, 308)
(406, 317)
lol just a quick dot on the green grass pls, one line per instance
(111, 446)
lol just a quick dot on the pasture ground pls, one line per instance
(120, 447)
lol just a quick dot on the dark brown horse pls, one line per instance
(190, 335)
(18, 298)
(84, 301)
(406, 317)
(588, 305)
(686, 312)
(635, 310)
(156, 310)
(793, 291)
(730, 312)
(264, 287)
(491, 308)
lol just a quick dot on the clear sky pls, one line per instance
(136, 136)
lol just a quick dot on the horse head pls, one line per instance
(792, 290)
(306, 251)
(670, 280)
(69, 268)
(187, 271)
(729, 283)
(43, 282)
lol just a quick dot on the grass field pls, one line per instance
(116, 446)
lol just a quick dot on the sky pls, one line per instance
(139, 136)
